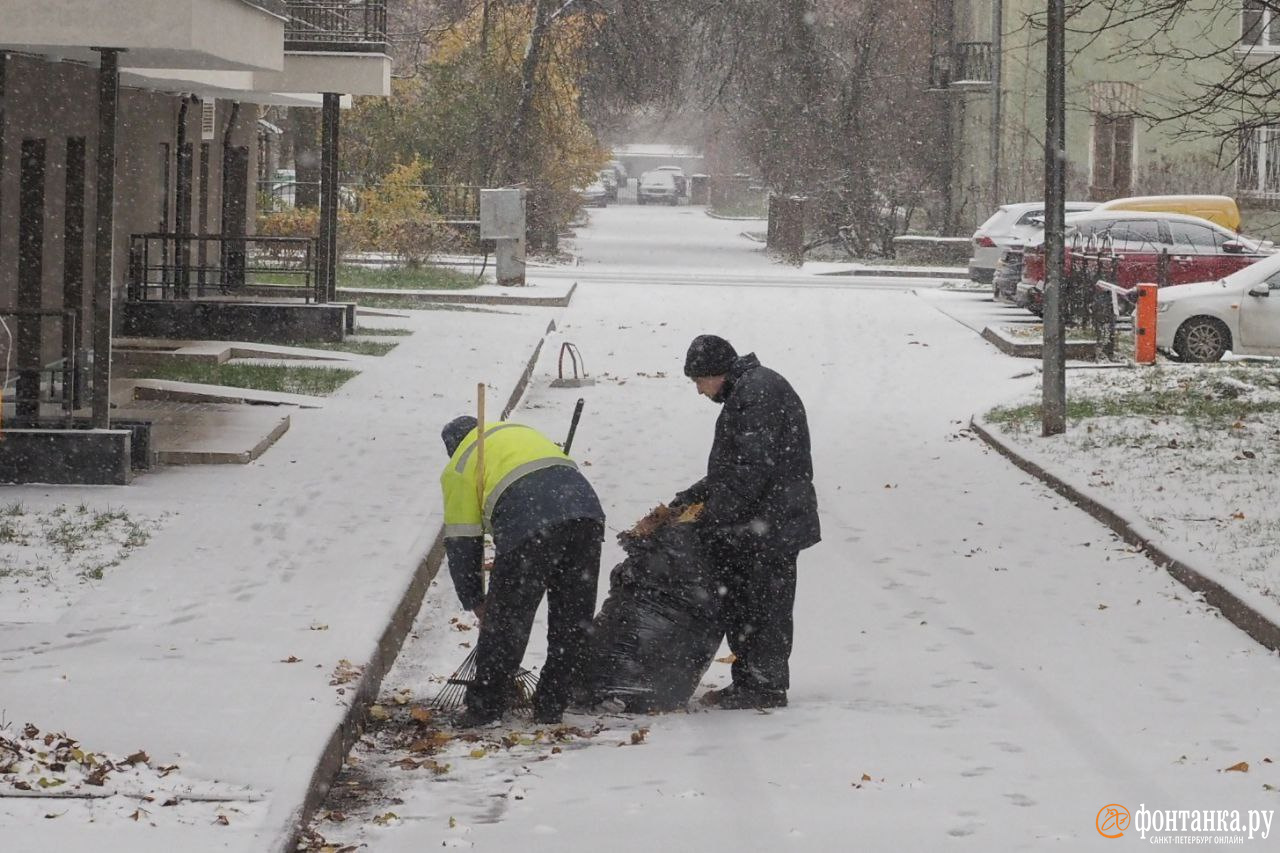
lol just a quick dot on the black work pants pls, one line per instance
(563, 562)
(759, 593)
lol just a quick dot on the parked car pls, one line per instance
(609, 178)
(1219, 209)
(657, 186)
(1198, 250)
(1008, 272)
(595, 194)
(1240, 313)
(1010, 225)
(682, 183)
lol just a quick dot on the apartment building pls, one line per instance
(129, 125)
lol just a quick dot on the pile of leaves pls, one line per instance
(53, 763)
(659, 517)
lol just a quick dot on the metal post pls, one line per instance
(328, 249)
(997, 117)
(104, 232)
(1054, 396)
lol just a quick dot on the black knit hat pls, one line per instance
(709, 355)
(456, 430)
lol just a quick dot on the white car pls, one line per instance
(1011, 225)
(657, 186)
(1240, 313)
(595, 194)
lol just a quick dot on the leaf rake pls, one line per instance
(453, 696)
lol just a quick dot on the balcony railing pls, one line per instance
(967, 65)
(336, 26)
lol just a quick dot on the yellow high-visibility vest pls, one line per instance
(510, 452)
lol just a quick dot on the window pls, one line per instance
(1190, 238)
(1258, 167)
(1112, 156)
(1032, 217)
(1260, 24)
(1137, 235)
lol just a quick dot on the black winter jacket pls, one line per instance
(758, 491)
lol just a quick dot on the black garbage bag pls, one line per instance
(656, 634)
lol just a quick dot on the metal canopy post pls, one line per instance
(328, 248)
(104, 230)
(1054, 387)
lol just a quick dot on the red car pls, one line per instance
(1198, 250)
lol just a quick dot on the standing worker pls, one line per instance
(547, 526)
(759, 511)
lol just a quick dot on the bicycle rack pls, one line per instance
(576, 363)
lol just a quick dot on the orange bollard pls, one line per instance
(1144, 326)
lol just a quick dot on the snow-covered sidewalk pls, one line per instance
(229, 644)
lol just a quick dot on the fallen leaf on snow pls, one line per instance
(291, 659)
(729, 658)
(1242, 767)
(221, 820)
(379, 713)
(138, 757)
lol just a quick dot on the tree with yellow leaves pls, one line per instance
(497, 102)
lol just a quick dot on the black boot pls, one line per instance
(734, 698)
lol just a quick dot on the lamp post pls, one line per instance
(1054, 386)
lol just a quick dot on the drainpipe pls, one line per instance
(104, 232)
(997, 61)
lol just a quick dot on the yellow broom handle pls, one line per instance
(480, 447)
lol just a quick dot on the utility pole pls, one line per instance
(1054, 386)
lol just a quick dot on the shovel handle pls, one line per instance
(573, 425)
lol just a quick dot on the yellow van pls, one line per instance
(1215, 208)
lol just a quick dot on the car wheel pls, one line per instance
(1202, 339)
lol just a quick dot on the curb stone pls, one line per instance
(1236, 610)
(462, 297)
(1074, 350)
(386, 651)
(899, 272)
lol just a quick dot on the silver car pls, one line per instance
(1009, 226)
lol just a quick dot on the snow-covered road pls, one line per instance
(978, 665)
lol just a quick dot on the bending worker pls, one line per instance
(547, 526)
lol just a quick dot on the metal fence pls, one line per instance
(189, 266)
(58, 382)
(454, 203)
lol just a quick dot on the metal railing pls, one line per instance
(453, 203)
(189, 266)
(57, 382)
(336, 25)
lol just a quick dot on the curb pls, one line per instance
(708, 212)
(1074, 350)
(385, 653)
(1237, 611)
(462, 298)
(897, 272)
